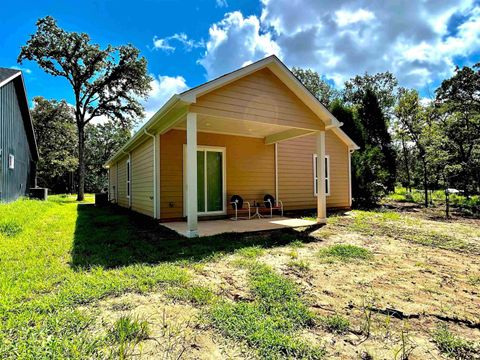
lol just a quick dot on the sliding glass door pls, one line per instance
(210, 180)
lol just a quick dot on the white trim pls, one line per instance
(158, 174)
(350, 176)
(327, 178)
(154, 176)
(276, 171)
(191, 176)
(273, 64)
(206, 148)
(116, 188)
(7, 80)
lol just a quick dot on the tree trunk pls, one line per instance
(81, 164)
(407, 168)
(425, 182)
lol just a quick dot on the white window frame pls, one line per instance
(128, 178)
(11, 161)
(205, 148)
(327, 175)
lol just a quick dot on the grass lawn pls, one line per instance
(82, 282)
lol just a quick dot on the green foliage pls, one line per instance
(57, 140)
(383, 85)
(322, 90)
(269, 323)
(453, 345)
(335, 323)
(345, 252)
(369, 177)
(101, 143)
(376, 125)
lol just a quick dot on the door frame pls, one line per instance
(219, 149)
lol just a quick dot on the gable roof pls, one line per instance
(271, 62)
(7, 76)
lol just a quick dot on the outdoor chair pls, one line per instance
(238, 206)
(271, 204)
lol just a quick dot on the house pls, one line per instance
(18, 148)
(254, 131)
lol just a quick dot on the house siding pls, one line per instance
(142, 178)
(13, 140)
(122, 182)
(250, 168)
(295, 172)
(260, 97)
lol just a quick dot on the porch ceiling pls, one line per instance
(270, 132)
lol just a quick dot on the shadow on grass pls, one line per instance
(113, 237)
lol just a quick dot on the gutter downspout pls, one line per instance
(154, 173)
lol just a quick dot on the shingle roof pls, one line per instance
(6, 73)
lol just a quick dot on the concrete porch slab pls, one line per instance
(215, 227)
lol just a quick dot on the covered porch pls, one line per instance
(216, 227)
(193, 124)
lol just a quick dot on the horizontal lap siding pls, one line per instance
(295, 172)
(260, 97)
(122, 182)
(250, 168)
(142, 178)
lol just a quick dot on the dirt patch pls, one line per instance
(176, 330)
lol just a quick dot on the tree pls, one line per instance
(458, 101)
(351, 124)
(56, 136)
(323, 91)
(382, 84)
(107, 82)
(102, 141)
(377, 135)
(413, 122)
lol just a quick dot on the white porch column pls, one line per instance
(321, 198)
(192, 216)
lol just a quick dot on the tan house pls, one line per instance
(251, 132)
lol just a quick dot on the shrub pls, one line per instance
(453, 345)
(335, 323)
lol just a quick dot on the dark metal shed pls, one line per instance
(18, 148)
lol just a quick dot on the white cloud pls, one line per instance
(235, 41)
(222, 3)
(23, 69)
(163, 88)
(165, 44)
(347, 17)
(409, 38)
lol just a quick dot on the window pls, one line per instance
(11, 161)
(327, 175)
(128, 178)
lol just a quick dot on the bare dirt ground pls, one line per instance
(424, 271)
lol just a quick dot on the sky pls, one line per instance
(189, 42)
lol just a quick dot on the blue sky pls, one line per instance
(189, 42)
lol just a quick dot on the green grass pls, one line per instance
(335, 323)
(345, 252)
(194, 294)
(272, 321)
(126, 333)
(59, 254)
(299, 265)
(452, 345)
(251, 252)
